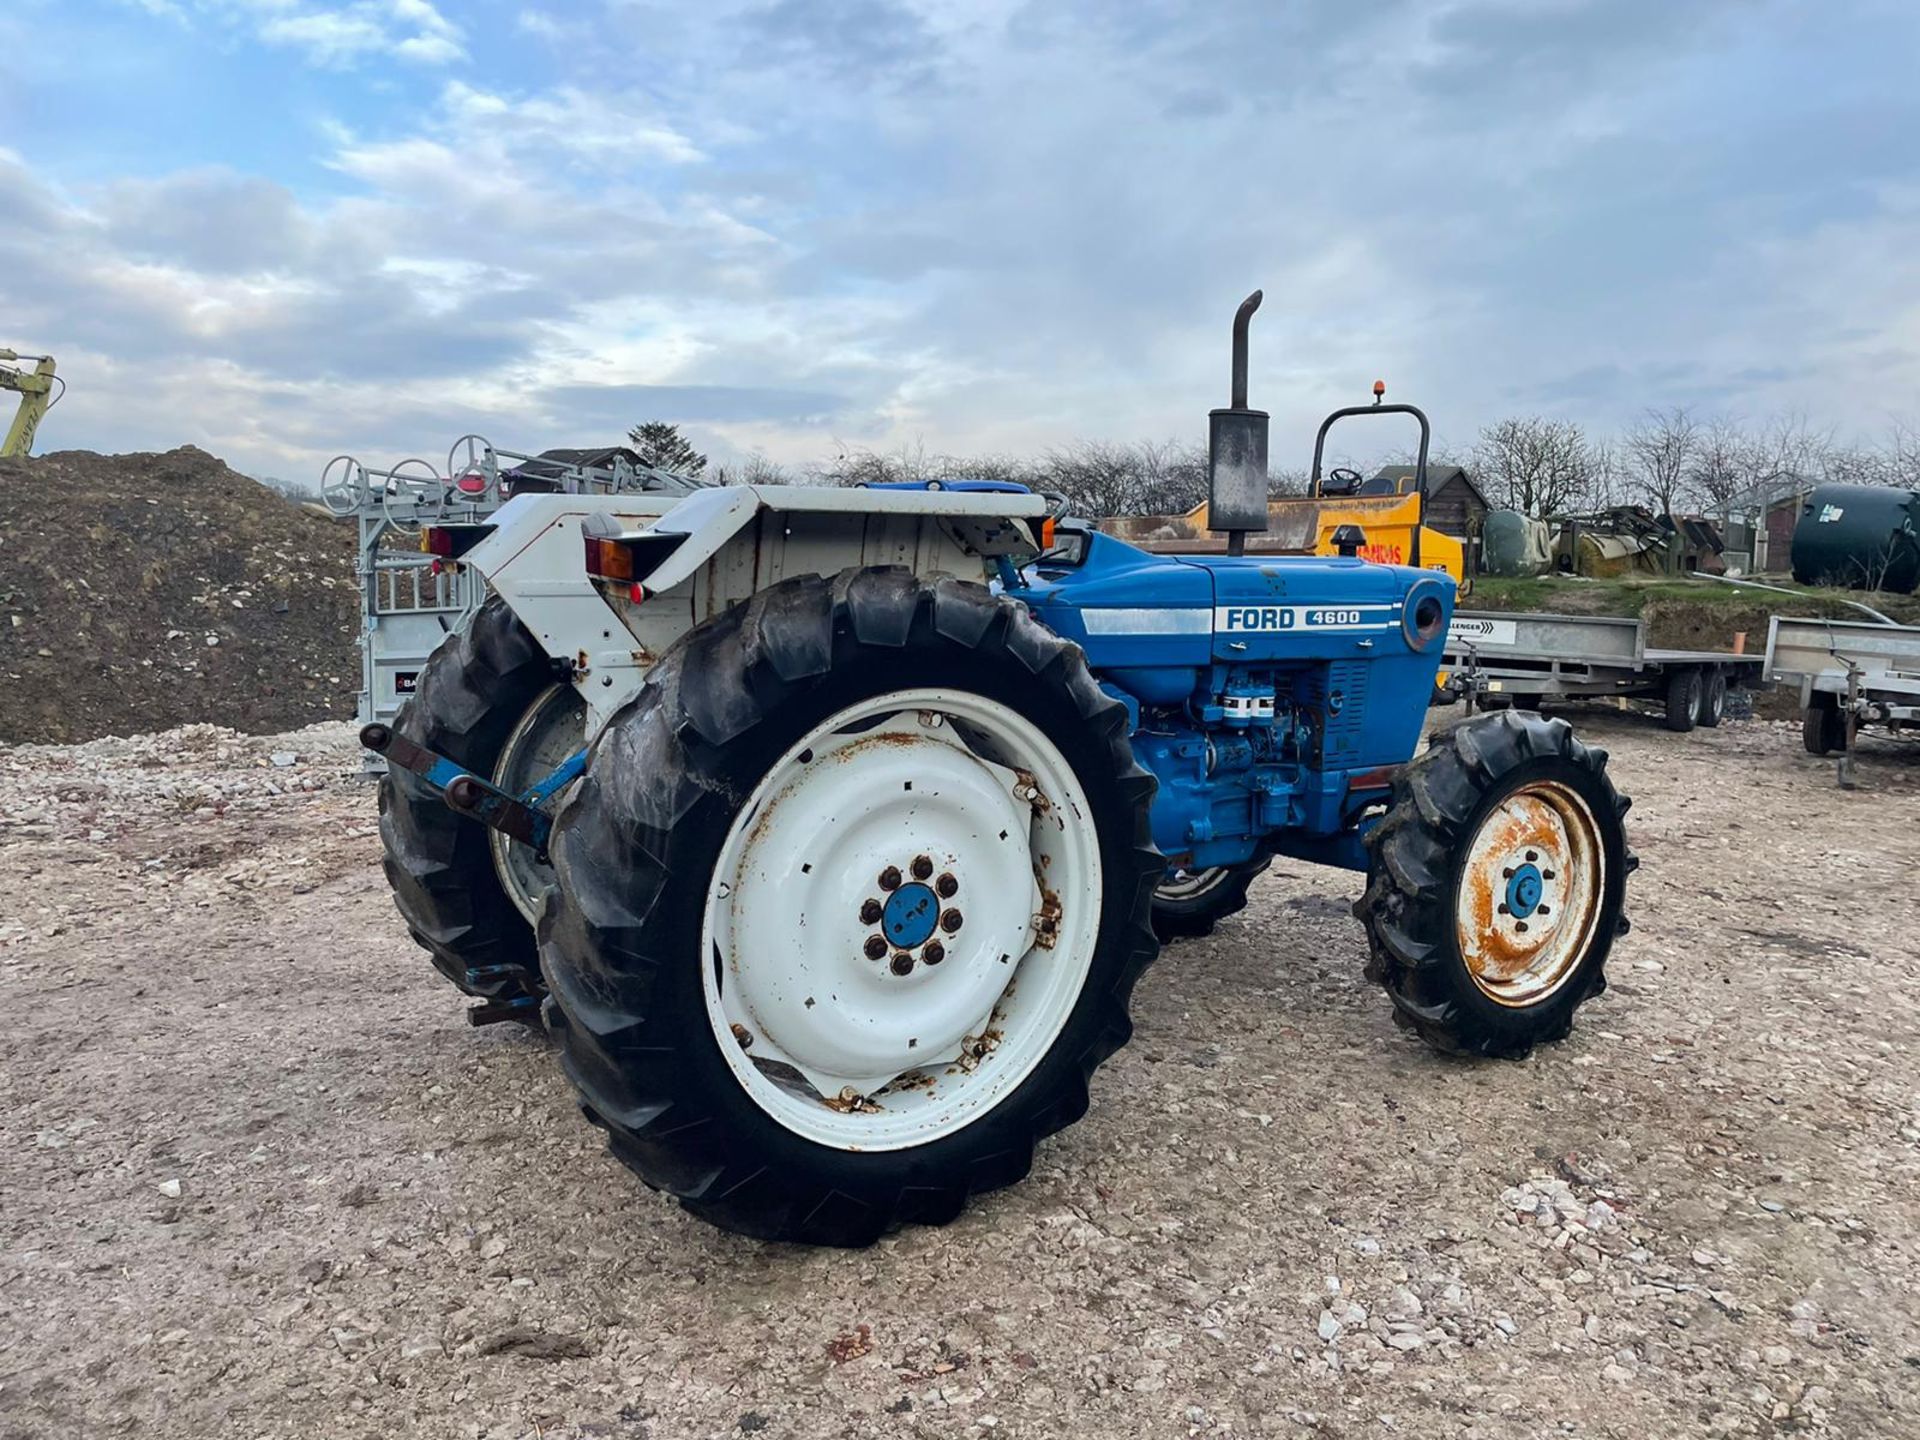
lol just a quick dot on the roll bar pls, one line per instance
(1419, 465)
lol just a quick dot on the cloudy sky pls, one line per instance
(281, 229)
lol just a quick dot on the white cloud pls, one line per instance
(333, 36)
(997, 228)
(327, 37)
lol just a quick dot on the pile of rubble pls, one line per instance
(143, 591)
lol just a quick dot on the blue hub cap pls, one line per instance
(911, 913)
(1524, 888)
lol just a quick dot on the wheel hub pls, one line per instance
(910, 916)
(1524, 889)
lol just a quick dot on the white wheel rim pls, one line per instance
(553, 728)
(836, 1043)
(1528, 907)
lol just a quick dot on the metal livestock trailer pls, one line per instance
(410, 600)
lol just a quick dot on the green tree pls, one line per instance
(663, 446)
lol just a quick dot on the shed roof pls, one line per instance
(1439, 477)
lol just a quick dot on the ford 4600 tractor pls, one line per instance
(828, 830)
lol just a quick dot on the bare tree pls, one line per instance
(1901, 465)
(1721, 463)
(1535, 465)
(1098, 477)
(756, 469)
(1287, 481)
(1658, 453)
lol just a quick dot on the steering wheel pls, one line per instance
(343, 484)
(1341, 480)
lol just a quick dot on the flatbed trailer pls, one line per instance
(1850, 674)
(1527, 659)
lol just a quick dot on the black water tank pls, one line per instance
(1859, 537)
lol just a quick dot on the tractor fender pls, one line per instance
(675, 547)
(534, 560)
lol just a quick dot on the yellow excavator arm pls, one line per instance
(35, 388)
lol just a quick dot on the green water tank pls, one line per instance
(1859, 537)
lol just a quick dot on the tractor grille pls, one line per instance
(1340, 733)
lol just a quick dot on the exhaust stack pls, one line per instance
(1237, 450)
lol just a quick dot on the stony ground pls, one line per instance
(258, 1179)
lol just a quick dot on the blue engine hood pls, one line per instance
(1130, 609)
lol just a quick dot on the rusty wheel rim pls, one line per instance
(1529, 901)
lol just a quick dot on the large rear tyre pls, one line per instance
(486, 700)
(852, 898)
(1187, 904)
(1497, 885)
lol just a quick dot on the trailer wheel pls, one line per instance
(1713, 699)
(1683, 699)
(1823, 725)
(1189, 903)
(1497, 884)
(852, 898)
(486, 685)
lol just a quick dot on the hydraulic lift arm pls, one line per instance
(37, 396)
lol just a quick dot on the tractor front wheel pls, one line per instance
(852, 898)
(1497, 885)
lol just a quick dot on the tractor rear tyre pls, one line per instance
(1684, 693)
(852, 898)
(488, 701)
(1713, 699)
(1823, 725)
(1497, 884)
(1187, 904)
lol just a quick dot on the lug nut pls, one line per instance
(876, 947)
(902, 963)
(922, 867)
(1546, 909)
(871, 912)
(933, 952)
(945, 886)
(890, 878)
(950, 921)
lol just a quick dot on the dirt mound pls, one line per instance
(140, 592)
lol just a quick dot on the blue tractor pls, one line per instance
(828, 831)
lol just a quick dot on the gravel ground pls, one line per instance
(258, 1179)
